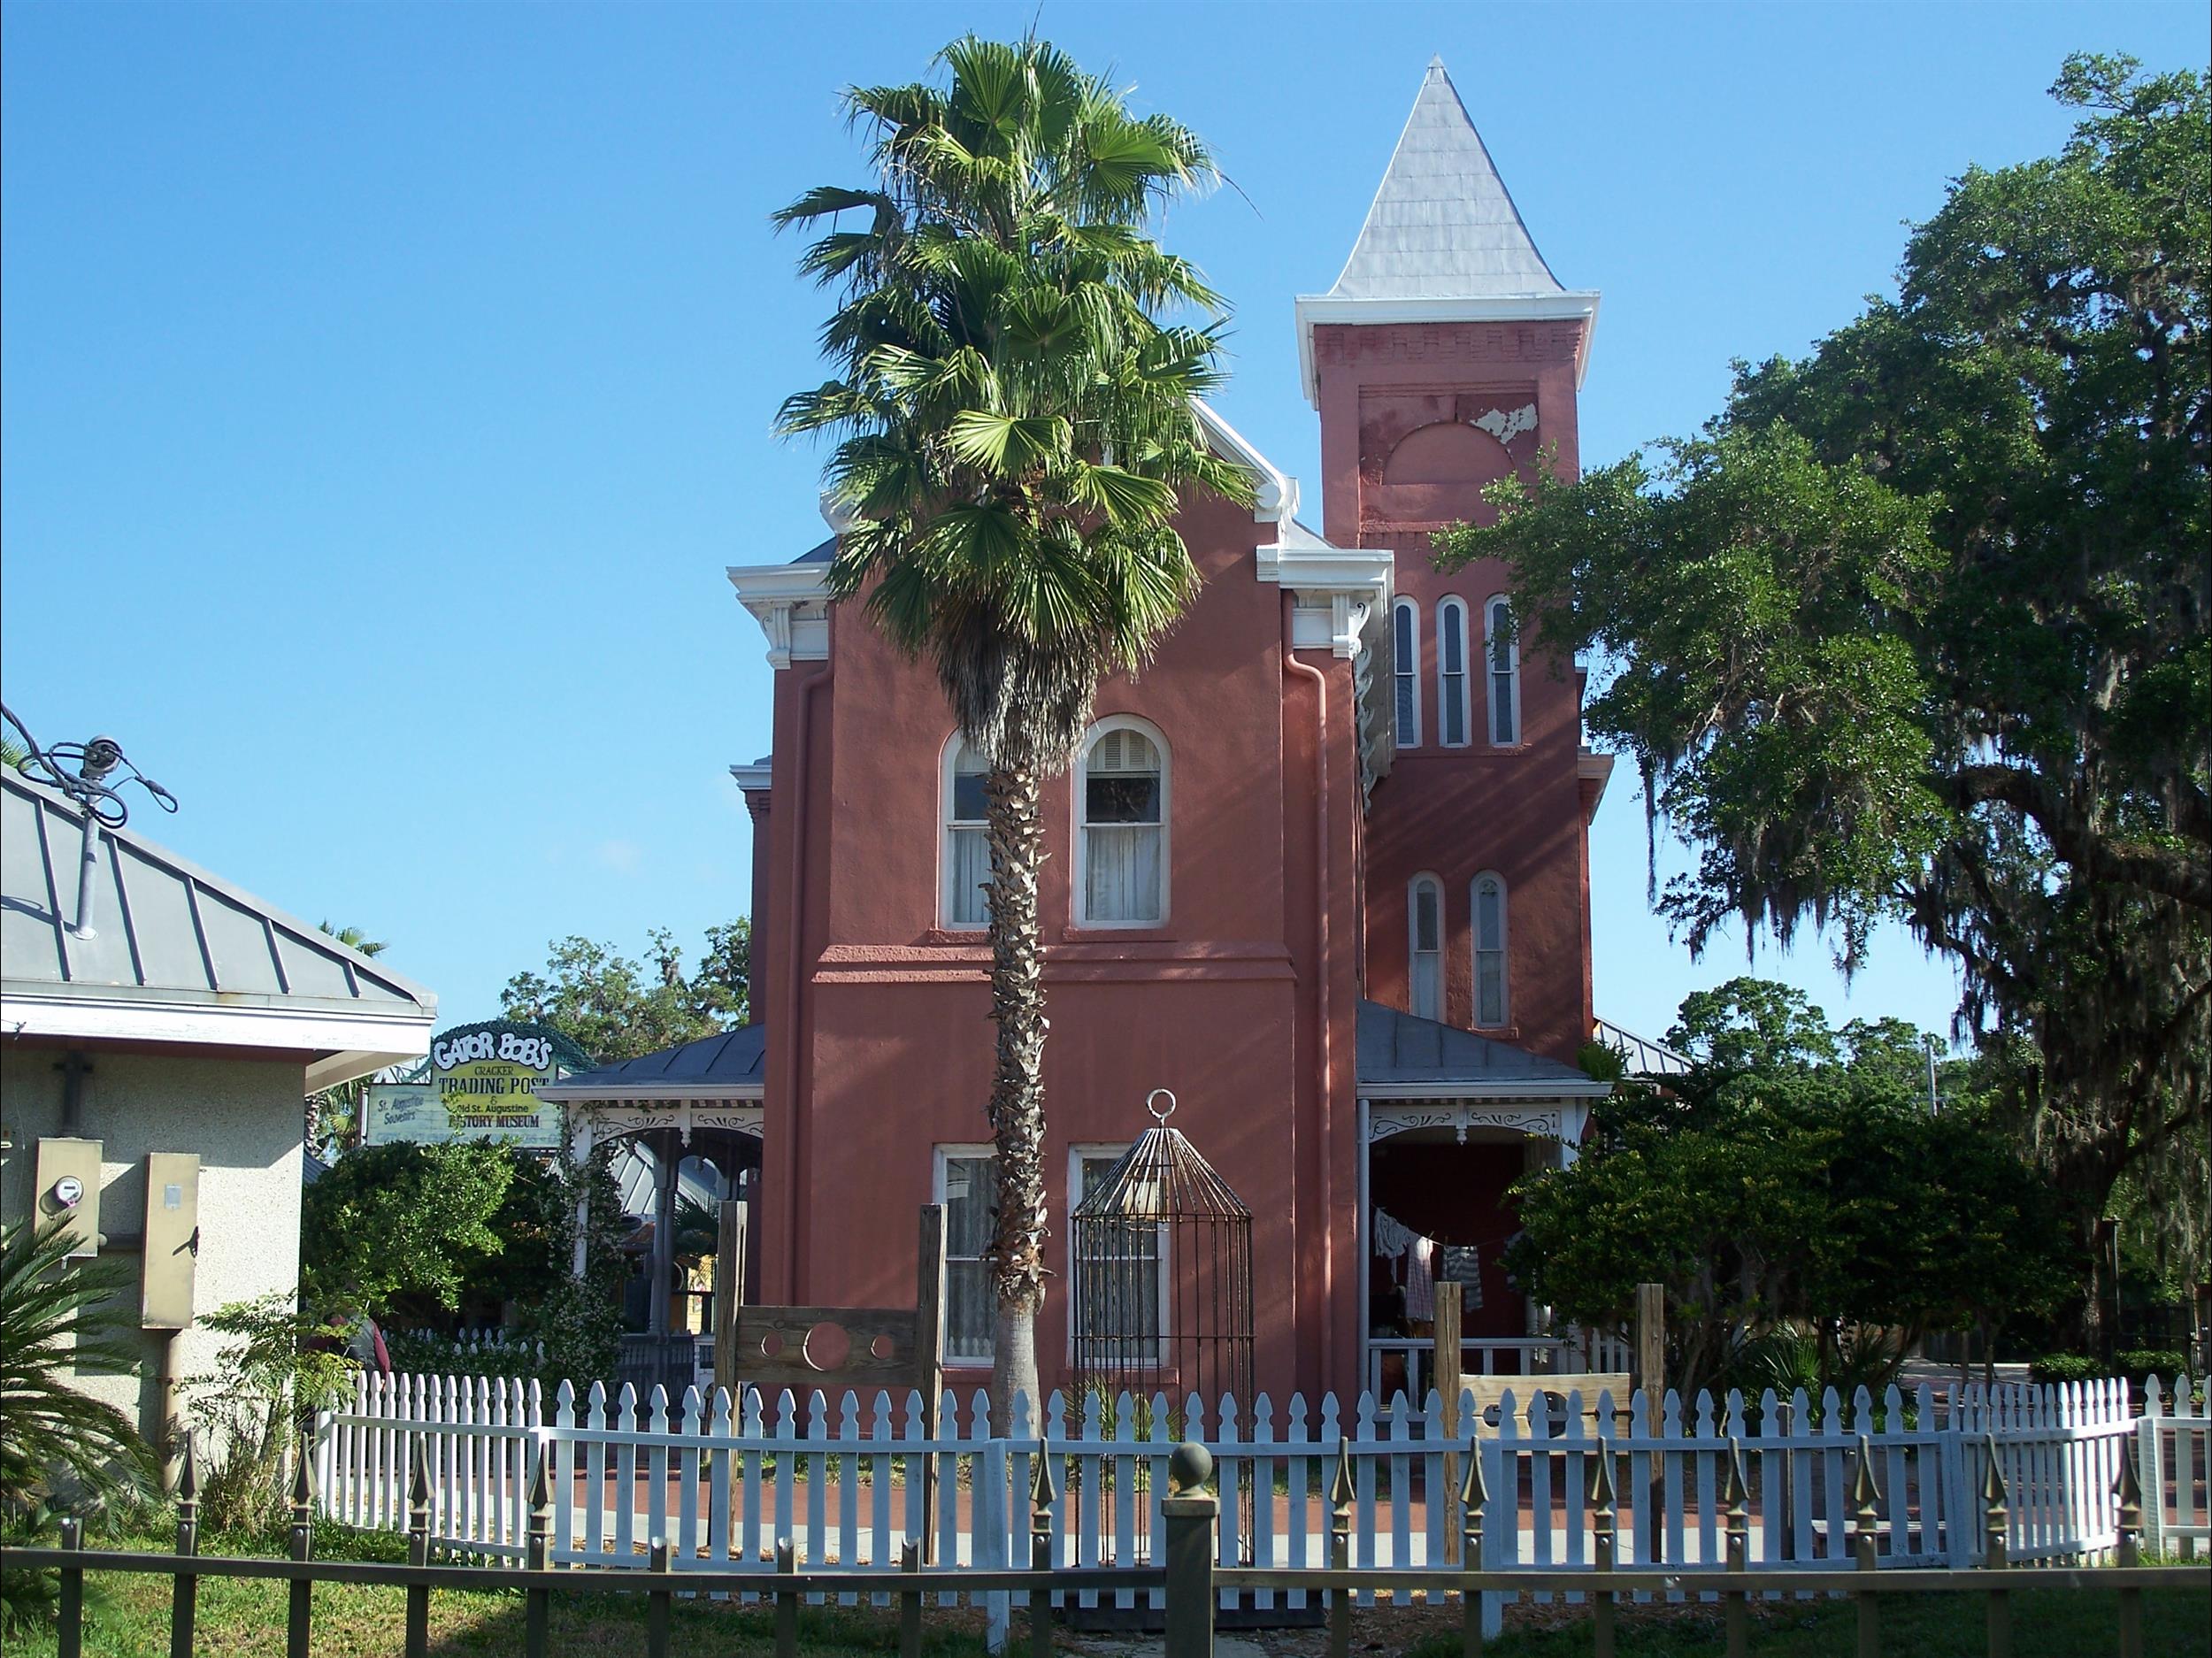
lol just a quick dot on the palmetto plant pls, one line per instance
(57, 1314)
(1013, 409)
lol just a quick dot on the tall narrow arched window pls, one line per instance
(1490, 1003)
(1425, 933)
(1453, 713)
(1121, 830)
(1504, 647)
(966, 857)
(1405, 620)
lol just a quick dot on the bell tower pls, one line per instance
(1446, 356)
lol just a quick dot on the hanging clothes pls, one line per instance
(1420, 1281)
(1462, 1264)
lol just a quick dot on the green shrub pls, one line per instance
(2067, 1367)
(2164, 1362)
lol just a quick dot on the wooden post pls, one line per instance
(1446, 1367)
(1651, 1378)
(184, 1605)
(929, 1358)
(1865, 1495)
(729, 1292)
(1187, 1515)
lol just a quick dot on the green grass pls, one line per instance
(2045, 1624)
(128, 1617)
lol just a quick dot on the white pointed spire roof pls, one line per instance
(1442, 241)
(1443, 225)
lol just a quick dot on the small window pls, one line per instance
(967, 1186)
(1453, 714)
(1406, 650)
(1122, 838)
(967, 850)
(1490, 988)
(1424, 921)
(1120, 1278)
(1504, 640)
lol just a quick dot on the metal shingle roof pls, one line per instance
(161, 924)
(1443, 225)
(1396, 1048)
(729, 1061)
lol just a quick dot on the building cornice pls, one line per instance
(791, 603)
(758, 775)
(1576, 305)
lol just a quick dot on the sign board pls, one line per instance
(480, 1083)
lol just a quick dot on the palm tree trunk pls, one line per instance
(1016, 828)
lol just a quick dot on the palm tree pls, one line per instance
(1013, 406)
(334, 1116)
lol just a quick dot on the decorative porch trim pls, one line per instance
(1560, 1119)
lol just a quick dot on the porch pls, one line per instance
(1447, 1120)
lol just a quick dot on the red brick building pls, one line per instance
(1345, 920)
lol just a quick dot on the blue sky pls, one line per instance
(383, 388)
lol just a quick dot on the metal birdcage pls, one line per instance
(1162, 1291)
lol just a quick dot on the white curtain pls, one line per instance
(968, 854)
(1121, 872)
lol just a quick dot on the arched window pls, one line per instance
(1490, 1003)
(967, 851)
(1405, 618)
(1454, 715)
(1121, 832)
(1502, 640)
(1425, 933)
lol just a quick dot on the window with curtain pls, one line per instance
(1123, 802)
(1505, 673)
(967, 1186)
(1406, 648)
(1120, 1284)
(1425, 904)
(967, 854)
(1490, 998)
(1451, 673)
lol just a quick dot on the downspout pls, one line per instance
(1291, 665)
(793, 952)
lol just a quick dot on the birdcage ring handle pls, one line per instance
(1159, 1115)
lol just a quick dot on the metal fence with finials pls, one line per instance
(1163, 1285)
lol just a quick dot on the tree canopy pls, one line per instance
(615, 1008)
(1917, 629)
(1792, 1180)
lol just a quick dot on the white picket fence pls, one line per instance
(723, 1482)
(2175, 1463)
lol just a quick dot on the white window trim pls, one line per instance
(1489, 673)
(1076, 1153)
(947, 758)
(1413, 943)
(1466, 668)
(939, 1156)
(1077, 806)
(1406, 607)
(1505, 947)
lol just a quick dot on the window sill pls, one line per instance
(1107, 933)
(942, 936)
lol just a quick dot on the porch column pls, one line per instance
(579, 1151)
(668, 1154)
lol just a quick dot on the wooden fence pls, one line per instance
(722, 1481)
